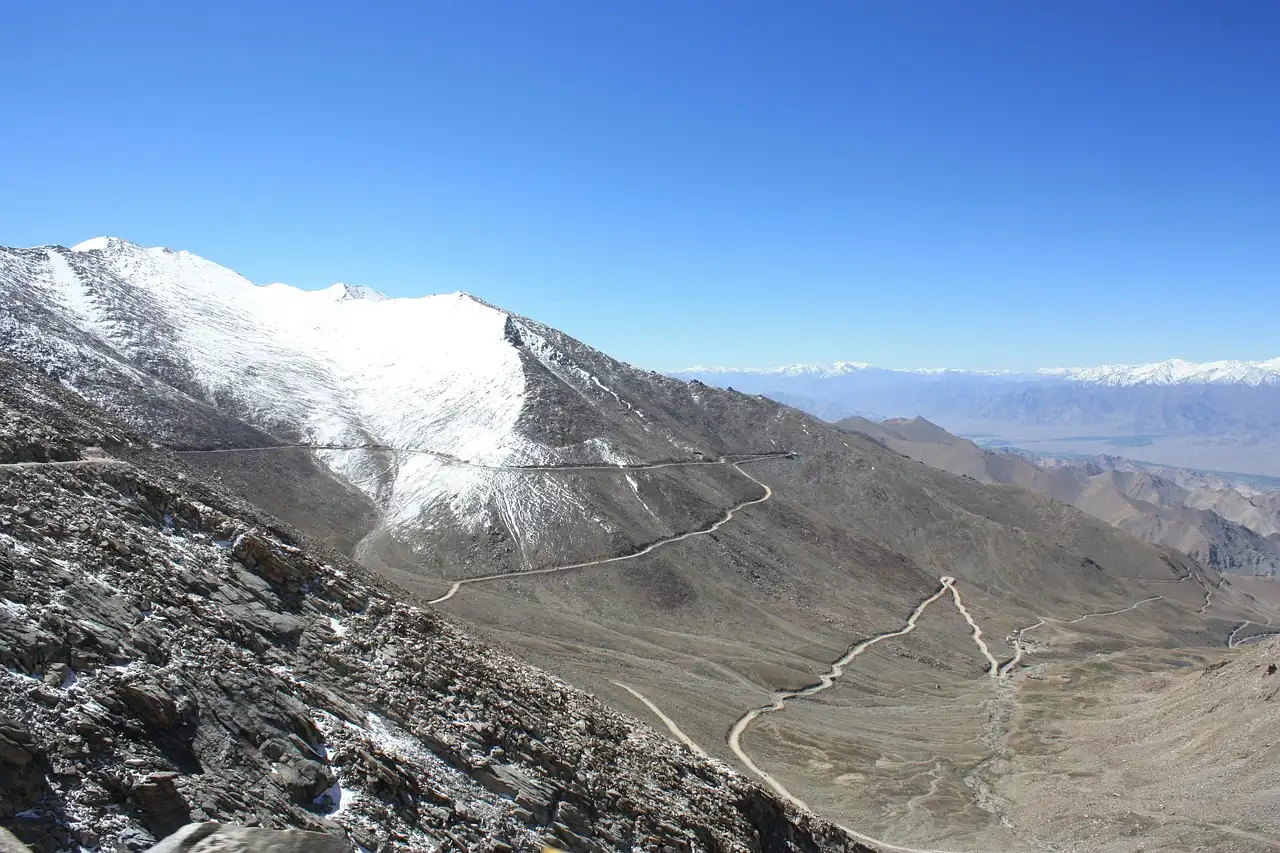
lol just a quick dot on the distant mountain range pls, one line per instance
(1233, 530)
(1171, 372)
(1222, 415)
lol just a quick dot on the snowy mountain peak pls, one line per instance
(838, 368)
(98, 244)
(455, 386)
(463, 296)
(345, 292)
(1175, 371)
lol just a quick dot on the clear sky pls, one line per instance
(927, 183)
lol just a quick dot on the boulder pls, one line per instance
(304, 779)
(163, 807)
(510, 781)
(277, 563)
(14, 748)
(151, 702)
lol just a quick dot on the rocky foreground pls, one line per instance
(168, 654)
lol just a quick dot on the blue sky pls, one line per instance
(976, 184)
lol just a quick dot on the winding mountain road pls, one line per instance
(666, 721)
(781, 697)
(733, 460)
(1234, 640)
(724, 459)
(457, 585)
(994, 670)
(1208, 596)
(994, 665)
(104, 462)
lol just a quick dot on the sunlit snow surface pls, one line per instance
(344, 366)
(433, 373)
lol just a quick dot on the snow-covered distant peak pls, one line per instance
(1175, 372)
(837, 368)
(1172, 372)
(832, 370)
(119, 245)
(97, 244)
(345, 292)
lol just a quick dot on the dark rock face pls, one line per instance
(171, 655)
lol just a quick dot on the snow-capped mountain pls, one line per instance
(425, 404)
(836, 368)
(1171, 372)
(1175, 372)
(342, 366)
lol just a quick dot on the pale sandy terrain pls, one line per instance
(1149, 750)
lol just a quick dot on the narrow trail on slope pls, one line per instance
(994, 665)
(666, 721)
(781, 697)
(1208, 595)
(1019, 646)
(1016, 638)
(728, 516)
(1133, 606)
(71, 463)
(1233, 642)
(723, 459)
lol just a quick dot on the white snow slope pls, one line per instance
(431, 373)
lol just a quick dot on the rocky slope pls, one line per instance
(1129, 496)
(171, 654)
(1252, 502)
